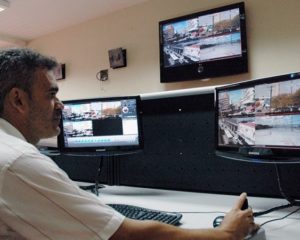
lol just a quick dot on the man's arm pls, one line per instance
(236, 225)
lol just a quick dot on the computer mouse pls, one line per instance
(217, 221)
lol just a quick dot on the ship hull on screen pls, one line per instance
(101, 124)
(262, 115)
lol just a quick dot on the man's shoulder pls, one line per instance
(23, 158)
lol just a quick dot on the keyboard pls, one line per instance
(139, 213)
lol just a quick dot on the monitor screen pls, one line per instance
(260, 117)
(205, 44)
(102, 124)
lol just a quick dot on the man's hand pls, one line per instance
(239, 223)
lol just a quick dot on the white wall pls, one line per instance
(273, 43)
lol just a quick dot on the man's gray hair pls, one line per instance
(17, 69)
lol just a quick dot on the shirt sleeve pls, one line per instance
(41, 202)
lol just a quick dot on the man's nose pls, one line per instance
(59, 104)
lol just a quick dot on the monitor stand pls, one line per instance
(94, 188)
(113, 168)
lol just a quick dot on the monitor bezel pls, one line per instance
(104, 149)
(207, 69)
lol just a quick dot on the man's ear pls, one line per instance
(17, 99)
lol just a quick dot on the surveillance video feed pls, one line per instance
(100, 123)
(205, 38)
(262, 115)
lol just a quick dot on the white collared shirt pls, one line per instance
(39, 201)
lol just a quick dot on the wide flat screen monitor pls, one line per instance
(204, 44)
(260, 118)
(101, 124)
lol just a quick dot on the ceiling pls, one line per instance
(25, 20)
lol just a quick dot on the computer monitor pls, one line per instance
(206, 44)
(259, 119)
(101, 125)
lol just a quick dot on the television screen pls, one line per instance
(206, 44)
(260, 117)
(102, 124)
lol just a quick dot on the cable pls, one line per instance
(257, 214)
(292, 201)
(277, 219)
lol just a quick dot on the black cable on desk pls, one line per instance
(257, 214)
(277, 219)
(292, 201)
(288, 198)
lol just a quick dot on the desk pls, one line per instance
(179, 201)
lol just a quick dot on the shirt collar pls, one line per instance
(10, 129)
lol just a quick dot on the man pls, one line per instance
(37, 199)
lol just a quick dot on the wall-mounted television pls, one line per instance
(101, 125)
(259, 119)
(203, 45)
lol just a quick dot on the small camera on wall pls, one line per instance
(117, 58)
(60, 71)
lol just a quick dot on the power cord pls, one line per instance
(277, 219)
(292, 201)
(257, 214)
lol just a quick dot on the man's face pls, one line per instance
(44, 107)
